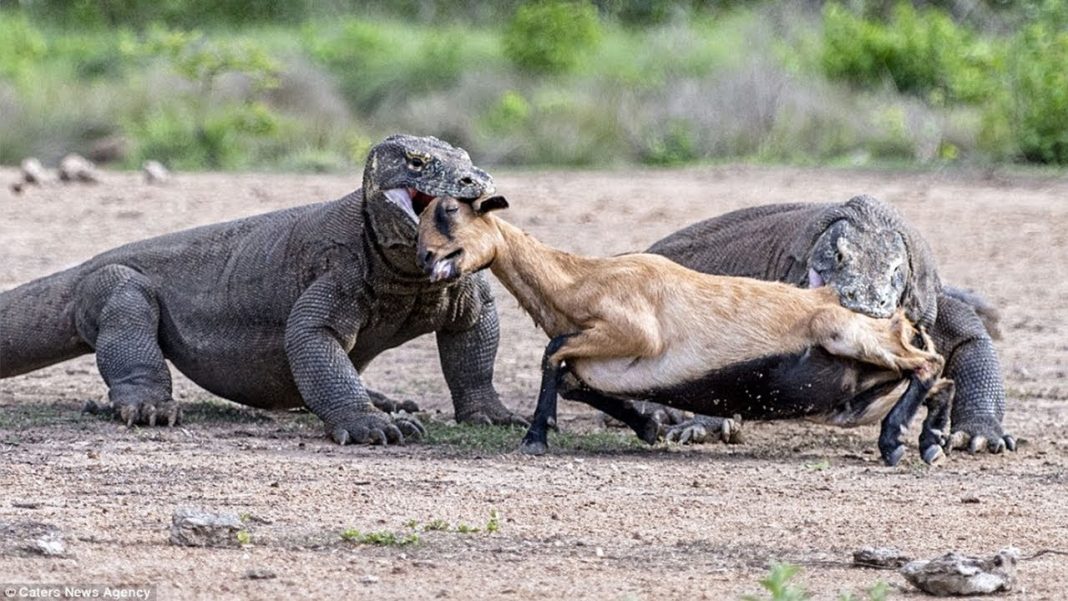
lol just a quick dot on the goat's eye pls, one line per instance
(416, 163)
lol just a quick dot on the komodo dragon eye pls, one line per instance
(416, 163)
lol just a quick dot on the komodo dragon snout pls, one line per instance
(870, 279)
(410, 172)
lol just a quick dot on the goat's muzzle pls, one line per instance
(443, 268)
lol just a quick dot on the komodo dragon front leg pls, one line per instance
(467, 356)
(320, 333)
(972, 363)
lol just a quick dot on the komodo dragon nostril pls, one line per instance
(467, 181)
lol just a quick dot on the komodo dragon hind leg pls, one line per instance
(118, 315)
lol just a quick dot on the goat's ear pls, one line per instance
(492, 203)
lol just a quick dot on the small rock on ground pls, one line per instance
(191, 527)
(956, 574)
(879, 557)
(76, 168)
(26, 539)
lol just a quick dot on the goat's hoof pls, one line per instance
(533, 447)
(893, 456)
(933, 455)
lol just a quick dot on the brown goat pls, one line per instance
(640, 326)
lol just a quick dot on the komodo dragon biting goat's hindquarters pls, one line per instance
(641, 326)
(277, 310)
(865, 251)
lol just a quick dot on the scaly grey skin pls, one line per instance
(876, 261)
(277, 310)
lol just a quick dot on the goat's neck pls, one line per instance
(538, 276)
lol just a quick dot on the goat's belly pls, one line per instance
(809, 384)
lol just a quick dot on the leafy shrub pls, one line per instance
(21, 45)
(184, 13)
(1040, 97)
(549, 36)
(376, 62)
(922, 52)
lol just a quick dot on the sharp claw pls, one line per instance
(959, 440)
(151, 416)
(996, 445)
(394, 435)
(933, 455)
(1010, 442)
(725, 431)
(978, 442)
(340, 436)
(377, 436)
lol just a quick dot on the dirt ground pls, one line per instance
(611, 520)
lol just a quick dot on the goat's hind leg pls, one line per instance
(645, 425)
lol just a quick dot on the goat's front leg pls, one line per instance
(536, 441)
(896, 423)
(935, 433)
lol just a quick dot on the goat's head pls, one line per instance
(458, 237)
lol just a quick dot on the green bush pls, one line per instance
(78, 14)
(21, 45)
(923, 53)
(550, 36)
(1040, 97)
(376, 62)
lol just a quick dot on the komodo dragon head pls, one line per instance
(406, 173)
(865, 251)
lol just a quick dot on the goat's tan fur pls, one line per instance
(641, 322)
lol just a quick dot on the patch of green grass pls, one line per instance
(28, 416)
(505, 439)
(494, 523)
(818, 466)
(778, 584)
(879, 592)
(383, 538)
(436, 525)
(244, 537)
(217, 410)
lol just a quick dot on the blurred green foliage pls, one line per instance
(550, 36)
(922, 52)
(312, 85)
(1039, 97)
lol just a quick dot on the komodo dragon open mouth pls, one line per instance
(413, 202)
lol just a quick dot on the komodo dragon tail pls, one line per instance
(37, 324)
(987, 312)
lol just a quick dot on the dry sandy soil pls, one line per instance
(599, 517)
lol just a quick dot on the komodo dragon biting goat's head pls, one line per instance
(405, 173)
(865, 251)
(869, 278)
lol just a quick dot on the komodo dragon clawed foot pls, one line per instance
(389, 405)
(982, 433)
(146, 413)
(704, 428)
(374, 427)
(490, 414)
